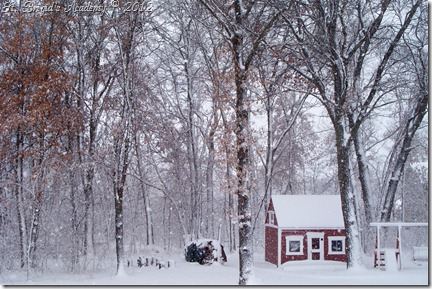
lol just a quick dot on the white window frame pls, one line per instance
(336, 238)
(271, 216)
(295, 238)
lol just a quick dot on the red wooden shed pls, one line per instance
(304, 227)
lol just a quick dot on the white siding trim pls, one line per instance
(279, 247)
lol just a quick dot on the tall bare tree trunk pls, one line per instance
(268, 177)
(121, 151)
(210, 224)
(242, 58)
(35, 219)
(192, 157)
(19, 183)
(74, 261)
(401, 156)
(146, 200)
(229, 206)
(242, 107)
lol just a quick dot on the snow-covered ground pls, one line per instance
(184, 273)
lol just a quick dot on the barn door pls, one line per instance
(315, 246)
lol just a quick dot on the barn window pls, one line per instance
(271, 217)
(336, 245)
(294, 245)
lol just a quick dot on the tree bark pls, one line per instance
(346, 193)
(229, 209)
(192, 157)
(243, 159)
(364, 179)
(119, 177)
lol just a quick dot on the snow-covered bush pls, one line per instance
(205, 252)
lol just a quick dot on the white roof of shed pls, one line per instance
(308, 211)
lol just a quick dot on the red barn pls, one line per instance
(304, 227)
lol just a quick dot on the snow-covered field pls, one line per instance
(184, 273)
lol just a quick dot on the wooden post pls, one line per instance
(219, 249)
(399, 246)
(378, 247)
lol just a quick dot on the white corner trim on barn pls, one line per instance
(279, 247)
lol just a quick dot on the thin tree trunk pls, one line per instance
(270, 155)
(210, 171)
(118, 203)
(147, 211)
(18, 171)
(88, 193)
(35, 222)
(74, 227)
(34, 230)
(87, 177)
(210, 187)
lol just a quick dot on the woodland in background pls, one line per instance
(131, 129)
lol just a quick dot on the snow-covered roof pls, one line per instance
(308, 211)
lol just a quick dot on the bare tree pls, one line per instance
(234, 18)
(414, 45)
(128, 28)
(94, 81)
(334, 40)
